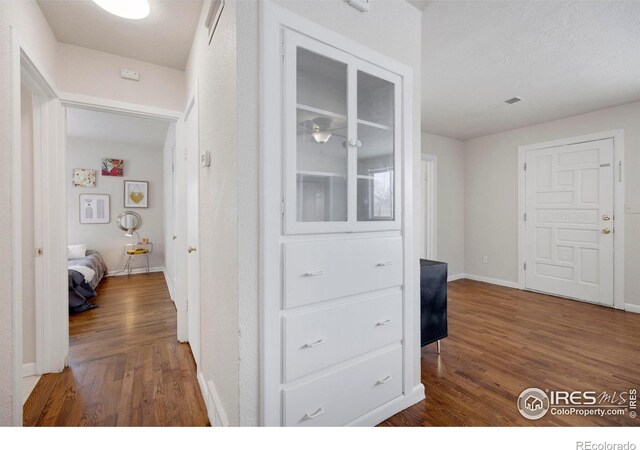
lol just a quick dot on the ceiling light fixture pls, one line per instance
(321, 137)
(128, 9)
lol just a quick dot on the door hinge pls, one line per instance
(283, 49)
(282, 207)
(525, 266)
(525, 217)
(525, 166)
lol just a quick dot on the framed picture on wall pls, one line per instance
(136, 194)
(95, 208)
(112, 167)
(84, 178)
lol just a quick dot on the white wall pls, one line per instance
(90, 72)
(450, 201)
(28, 237)
(143, 163)
(491, 191)
(27, 19)
(215, 66)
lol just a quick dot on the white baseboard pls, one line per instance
(496, 281)
(389, 409)
(629, 307)
(167, 279)
(137, 270)
(28, 370)
(215, 411)
(458, 276)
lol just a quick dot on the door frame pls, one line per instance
(430, 233)
(618, 210)
(51, 340)
(52, 324)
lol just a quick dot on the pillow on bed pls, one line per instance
(76, 251)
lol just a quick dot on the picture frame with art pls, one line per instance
(84, 178)
(112, 167)
(136, 194)
(95, 208)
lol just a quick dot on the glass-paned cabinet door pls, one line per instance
(317, 150)
(377, 146)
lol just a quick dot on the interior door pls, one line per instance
(569, 221)
(193, 258)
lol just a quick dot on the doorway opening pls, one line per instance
(428, 179)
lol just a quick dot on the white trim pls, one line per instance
(431, 236)
(103, 104)
(29, 370)
(135, 271)
(632, 308)
(619, 199)
(387, 410)
(52, 334)
(496, 281)
(167, 279)
(215, 411)
(458, 276)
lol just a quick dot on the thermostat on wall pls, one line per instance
(362, 5)
(205, 159)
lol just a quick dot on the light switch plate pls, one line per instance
(361, 5)
(632, 208)
(129, 74)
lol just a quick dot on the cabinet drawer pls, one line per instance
(339, 397)
(318, 339)
(326, 269)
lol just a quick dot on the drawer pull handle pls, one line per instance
(313, 344)
(383, 323)
(384, 380)
(319, 412)
(313, 274)
(382, 264)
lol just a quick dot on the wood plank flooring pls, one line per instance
(502, 341)
(126, 367)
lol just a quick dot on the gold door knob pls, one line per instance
(191, 249)
(606, 231)
(605, 217)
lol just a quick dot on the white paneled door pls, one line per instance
(193, 233)
(569, 221)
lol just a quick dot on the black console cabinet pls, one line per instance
(433, 301)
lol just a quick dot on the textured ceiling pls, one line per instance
(164, 37)
(563, 57)
(118, 128)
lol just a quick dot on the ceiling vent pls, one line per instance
(513, 100)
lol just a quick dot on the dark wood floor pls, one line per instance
(502, 341)
(126, 367)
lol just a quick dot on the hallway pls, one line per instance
(126, 367)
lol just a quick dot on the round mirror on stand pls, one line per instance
(129, 222)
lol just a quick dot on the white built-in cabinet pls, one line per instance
(339, 304)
